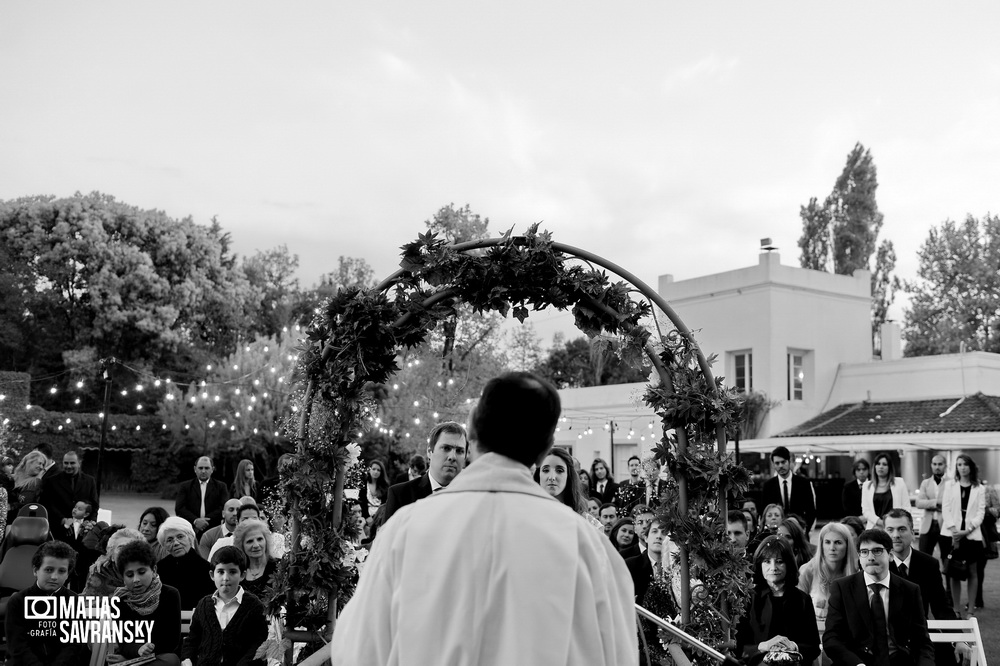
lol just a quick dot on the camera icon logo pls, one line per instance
(40, 608)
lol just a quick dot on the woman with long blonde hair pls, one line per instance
(835, 557)
(244, 482)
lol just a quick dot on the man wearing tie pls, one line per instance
(200, 500)
(874, 617)
(929, 499)
(791, 491)
(851, 495)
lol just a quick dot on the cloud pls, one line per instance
(711, 67)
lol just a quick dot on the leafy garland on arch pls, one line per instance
(350, 351)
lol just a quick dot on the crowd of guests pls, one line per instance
(215, 557)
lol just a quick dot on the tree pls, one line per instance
(843, 233)
(271, 275)
(524, 349)
(587, 362)
(237, 409)
(458, 225)
(956, 298)
(97, 274)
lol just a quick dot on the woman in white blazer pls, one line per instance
(882, 492)
(962, 523)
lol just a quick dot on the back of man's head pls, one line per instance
(516, 417)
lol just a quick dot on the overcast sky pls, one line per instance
(668, 137)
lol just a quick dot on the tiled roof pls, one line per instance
(974, 413)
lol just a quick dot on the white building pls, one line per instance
(803, 338)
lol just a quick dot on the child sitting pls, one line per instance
(228, 626)
(28, 641)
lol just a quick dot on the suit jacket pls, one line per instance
(188, 502)
(58, 495)
(641, 569)
(927, 497)
(610, 490)
(925, 572)
(851, 498)
(801, 500)
(402, 494)
(848, 640)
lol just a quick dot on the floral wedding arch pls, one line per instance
(351, 350)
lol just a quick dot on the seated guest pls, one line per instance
(791, 531)
(642, 515)
(623, 536)
(736, 530)
(608, 516)
(253, 539)
(149, 525)
(229, 625)
(145, 597)
(104, 577)
(183, 568)
(856, 524)
(780, 617)
(594, 509)
(835, 558)
(27, 641)
(653, 562)
(223, 529)
(771, 518)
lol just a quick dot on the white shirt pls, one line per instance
(900, 562)
(884, 592)
(489, 587)
(204, 488)
(225, 610)
(434, 483)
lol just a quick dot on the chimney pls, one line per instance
(892, 341)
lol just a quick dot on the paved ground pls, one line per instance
(128, 509)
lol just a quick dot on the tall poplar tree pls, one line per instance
(842, 234)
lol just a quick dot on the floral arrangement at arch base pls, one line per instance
(350, 353)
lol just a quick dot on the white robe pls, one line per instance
(491, 570)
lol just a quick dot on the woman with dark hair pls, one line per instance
(602, 485)
(584, 482)
(791, 531)
(623, 536)
(149, 525)
(145, 598)
(243, 483)
(373, 493)
(555, 476)
(780, 618)
(883, 491)
(963, 509)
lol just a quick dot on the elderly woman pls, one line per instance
(183, 568)
(253, 537)
(780, 617)
(149, 525)
(144, 597)
(27, 482)
(104, 577)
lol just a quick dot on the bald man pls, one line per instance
(929, 499)
(200, 500)
(230, 511)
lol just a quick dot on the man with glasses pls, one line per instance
(874, 617)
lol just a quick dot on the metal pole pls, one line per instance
(104, 422)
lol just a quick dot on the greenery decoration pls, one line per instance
(352, 349)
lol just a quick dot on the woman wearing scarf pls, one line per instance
(145, 598)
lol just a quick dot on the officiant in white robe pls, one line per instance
(490, 571)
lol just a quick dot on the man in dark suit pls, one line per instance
(851, 495)
(61, 490)
(447, 452)
(791, 491)
(922, 569)
(642, 567)
(200, 500)
(873, 617)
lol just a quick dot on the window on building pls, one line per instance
(796, 375)
(743, 371)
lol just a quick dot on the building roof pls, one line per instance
(974, 413)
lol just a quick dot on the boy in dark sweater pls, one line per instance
(31, 639)
(227, 627)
